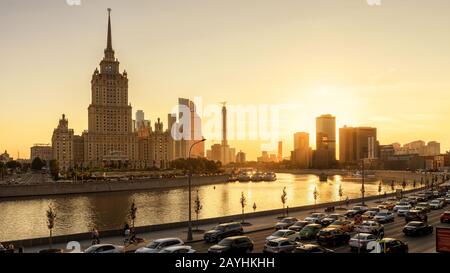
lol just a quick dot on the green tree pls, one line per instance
(54, 169)
(37, 164)
(341, 193)
(13, 165)
(243, 202)
(51, 216)
(414, 184)
(404, 184)
(197, 207)
(392, 185)
(380, 188)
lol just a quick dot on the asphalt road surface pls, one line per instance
(424, 244)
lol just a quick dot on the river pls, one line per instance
(25, 218)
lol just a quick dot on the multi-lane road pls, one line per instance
(424, 244)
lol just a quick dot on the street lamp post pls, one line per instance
(189, 236)
(362, 186)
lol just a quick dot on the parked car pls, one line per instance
(279, 245)
(387, 205)
(401, 205)
(352, 213)
(160, 244)
(445, 217)
(374, 209)
(402, 210)
(315, 218)
(345, 225)
(284, 233)
(222, 231)
(423, 206)
(416, 228)
(309, 231)
(371, 227)
(234, 244)
(360, 208)
(384, 217)
(285, 223)
(332, 236)
(416, 215)
(360, 241)
(311, 248)
(330, 219)
(436, 204)
(297, 226)
(105, 248)
(368, 215)
(392, 245)
(178, 249)
(444, 201)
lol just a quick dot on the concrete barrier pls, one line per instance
(48, 189)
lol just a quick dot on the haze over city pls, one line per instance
(381, 66)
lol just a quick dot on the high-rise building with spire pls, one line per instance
(110, 139)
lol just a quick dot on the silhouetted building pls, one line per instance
(325, 154)
(301, 155)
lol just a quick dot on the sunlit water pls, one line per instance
(25, 218)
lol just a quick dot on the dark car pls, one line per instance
(332, 236)
(311, 248)
(391, 245)
(330, 219)
(445, 217)
(416, 215)
(297, 226)
(416, 228)
(352, 213)
(235, 244)
(309, 231)
(223, 231)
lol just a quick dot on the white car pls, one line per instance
(315, 218)
(401, 204)
(160, 244)
(178, 249)
(105, 248)
(371, 227)
(384, 217)
(436, 204)
(360, 241)
(284, 233)
(402, 210)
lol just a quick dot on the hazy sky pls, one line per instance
(385, 66)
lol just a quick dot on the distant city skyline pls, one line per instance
(356, 62)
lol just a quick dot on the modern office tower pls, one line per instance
(301, 156)
(357, 143)
(280, 151)
(192, 131)
(241, 157)
(325, 154)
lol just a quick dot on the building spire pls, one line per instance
(109, 51)
(109, 46)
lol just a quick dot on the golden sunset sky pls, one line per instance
(385, 66)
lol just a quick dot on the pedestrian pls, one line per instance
(95, 237)
(125, 229)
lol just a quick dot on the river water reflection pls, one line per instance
(25, 218)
